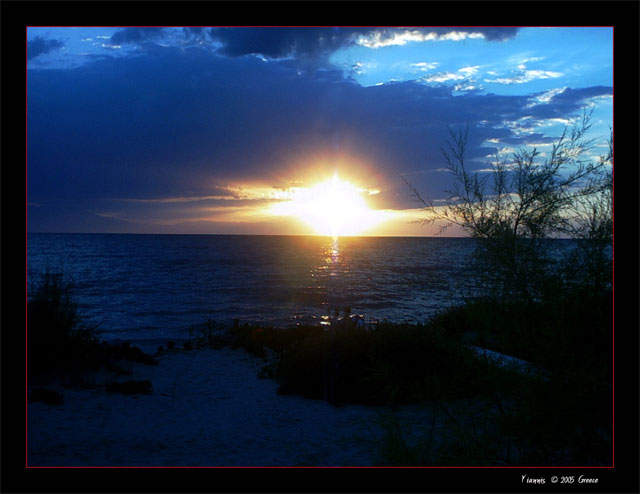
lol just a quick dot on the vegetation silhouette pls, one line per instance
(62, 344)
(554, 309)
(519, 202)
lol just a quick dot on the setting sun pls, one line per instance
(334, 207)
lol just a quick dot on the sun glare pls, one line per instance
(335, 207)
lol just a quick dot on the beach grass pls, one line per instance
(59, 338)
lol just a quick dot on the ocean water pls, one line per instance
(154, 287)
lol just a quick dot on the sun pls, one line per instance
(334, 207)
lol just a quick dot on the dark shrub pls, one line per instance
(126, 351)
(209, 334)
(563, 418)
(393, 364)
(256, 340)
(60, 340)
(571, 329)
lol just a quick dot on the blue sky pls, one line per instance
(203, 130)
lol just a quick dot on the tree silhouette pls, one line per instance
(523, 200)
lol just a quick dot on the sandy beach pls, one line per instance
(208, 408)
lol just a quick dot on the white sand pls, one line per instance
(208, 408)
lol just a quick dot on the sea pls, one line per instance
(149, 288)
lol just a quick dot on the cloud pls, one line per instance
(194, 32)
(309, 48)
(567, 101)
(469, 71)
(136, 35)
(464, 74)
(571, 95)
(465, 87)
(186, 129)
(378, 38)
(546, 96)
(40, 46)
(424, 66)
(318, 43)
(526, 76)
(444, 77)
(285, 42)
(523, 75)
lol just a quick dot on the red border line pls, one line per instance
(361, 467)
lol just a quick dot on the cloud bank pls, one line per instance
(306, 43)
(183, 134)
(40, 46)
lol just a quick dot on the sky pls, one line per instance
(311, 130)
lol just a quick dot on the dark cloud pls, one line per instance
(572, 96)
(281, 42)
(493, 33)
(489, 33)
(318, 42)
(306, 44)
(187, 123)
(39, 46)
(195, 33)
(566, 102)
(136, 35)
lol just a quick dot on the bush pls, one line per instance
(393, 364)
(254, 339)
(59, 339)
(569, 331)
(125, 351)
(566, 420)
(57, 336)
(208, 334)
(563, 417)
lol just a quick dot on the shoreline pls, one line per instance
(216, 403)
